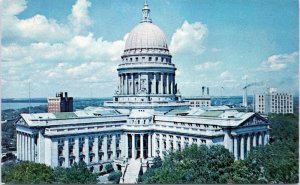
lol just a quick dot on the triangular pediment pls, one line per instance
(21, 121)
(255, 119)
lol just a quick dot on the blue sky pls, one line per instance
(76, 45)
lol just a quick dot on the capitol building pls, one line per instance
(146, 118)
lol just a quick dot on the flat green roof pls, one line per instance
(65, 115)
(211, 113)
(176, 112)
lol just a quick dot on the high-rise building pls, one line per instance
(60, 103)
(274, 102)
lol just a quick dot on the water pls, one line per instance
(18, 105)
(78, 103)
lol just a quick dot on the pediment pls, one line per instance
(255, 120)
(21, 121)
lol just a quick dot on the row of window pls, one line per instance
(150, 59)
(197, 125)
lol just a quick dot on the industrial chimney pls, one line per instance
(202, 90)
(207, 91)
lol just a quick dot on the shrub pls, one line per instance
(115, 176)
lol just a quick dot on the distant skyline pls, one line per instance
(76, 45)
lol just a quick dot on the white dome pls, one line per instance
(146, 35)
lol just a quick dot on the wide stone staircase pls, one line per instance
(132, 171)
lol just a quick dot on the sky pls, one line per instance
(49, 46)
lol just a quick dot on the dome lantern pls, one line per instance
(146, 13)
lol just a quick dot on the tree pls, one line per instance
(193, 165)
(77, 174)
(29, 172)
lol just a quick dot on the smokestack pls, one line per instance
(202, 90)
(66, 94)
(245, 104)
(207, 91)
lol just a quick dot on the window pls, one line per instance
(150, 58)
(136, 59)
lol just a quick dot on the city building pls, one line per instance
(274, 102)
(60, 103)
(147, 118)
(199, 101)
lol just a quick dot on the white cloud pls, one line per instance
(39, 28)
(278, 62)
(227, 77)
(189, 38)
(207, 66)
(48, 58)
(79, 17)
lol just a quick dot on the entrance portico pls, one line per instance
(139, 145)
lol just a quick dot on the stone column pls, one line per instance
(235, 146)
(168, 142)
(242, 151)
(161, 83)
(254, 140)
(266, 138)
(29, 148)
(154, 84)
(260, 138)
(104, 147)
(248, 144)
(171, 84)
(167, 84)
(149, 145)
(66, 152)
(76, 149)
(154, 145)
(182, 143)
(227, 140)
(86, 150)
(161, 146)
(21, 145)
(133, 146)
(175, 142)
(54, 153)
(132, 82)
(121, 84)
(142, 146)
(18, 143)
(113, 146)
(96, 149)
(26, 147)
(33, 149)
(126, 84)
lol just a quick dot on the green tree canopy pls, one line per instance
(193, 165)
(28, 172)
(77, 174)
